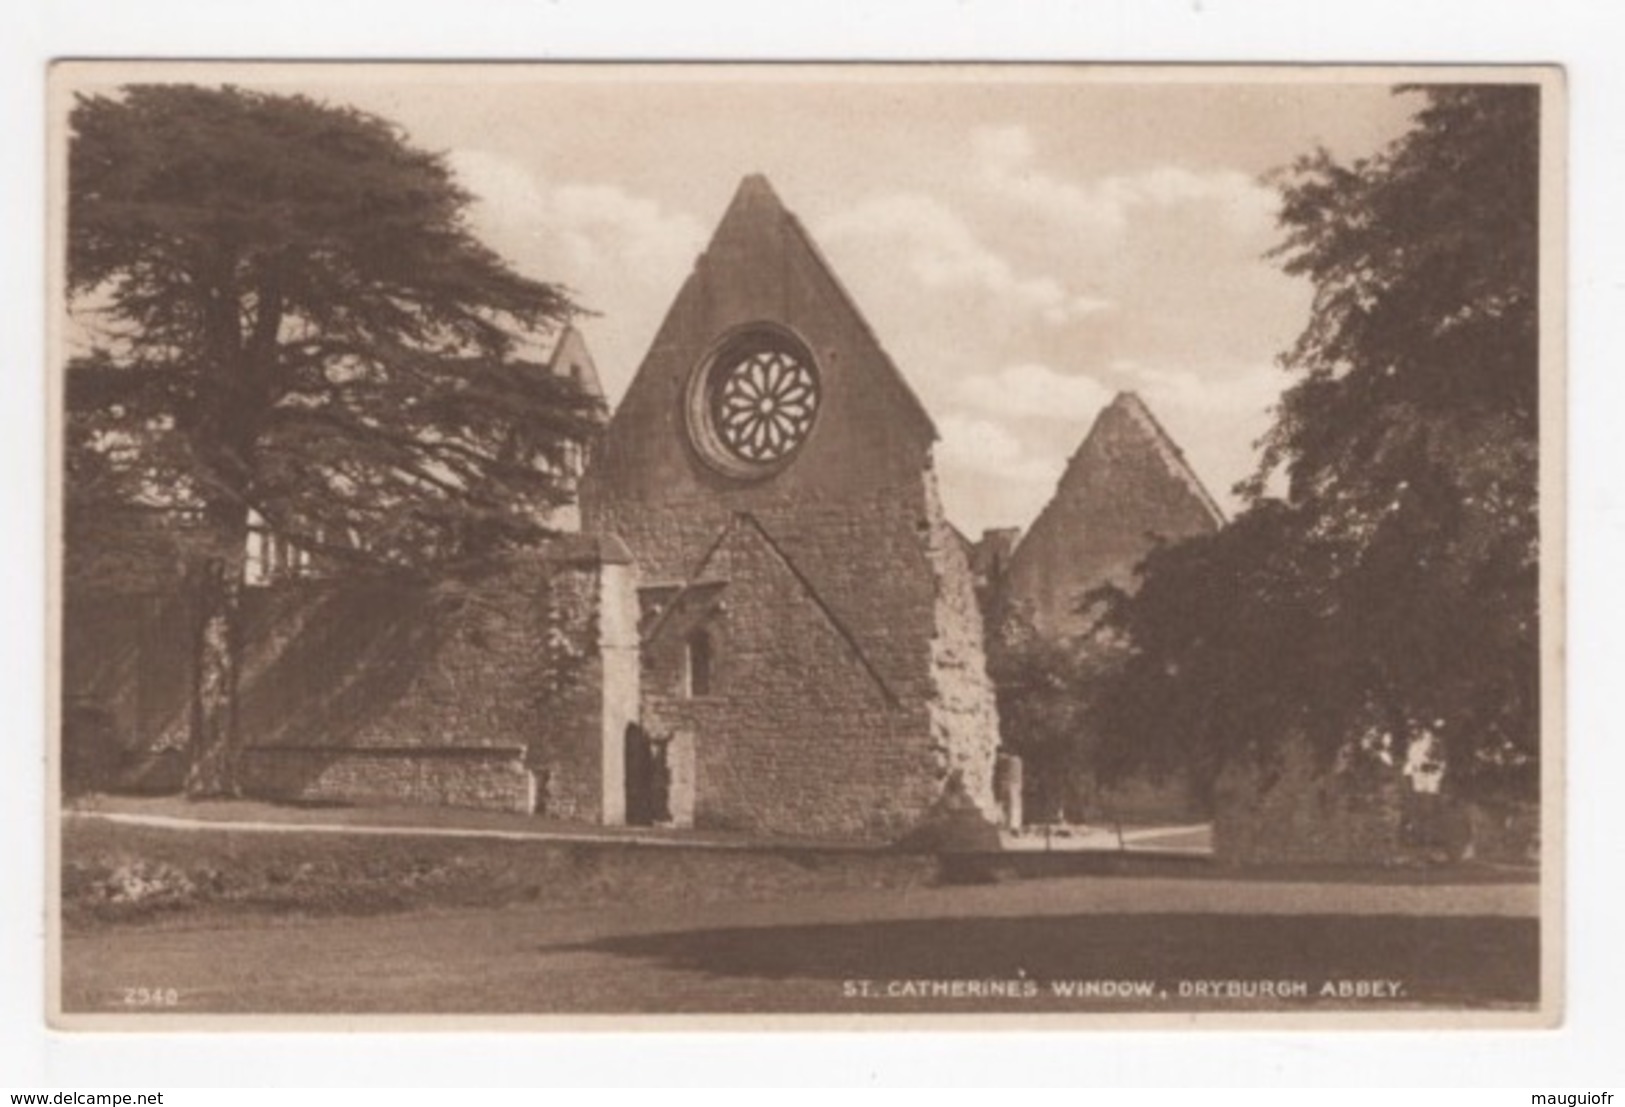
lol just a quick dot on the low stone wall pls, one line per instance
(488, 777)
(1296, 812)
(491, 695)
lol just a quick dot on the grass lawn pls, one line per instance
(670, 958)
(115, 874)
(119, 873)
(308, 922)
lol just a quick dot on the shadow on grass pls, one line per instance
(1448, 962)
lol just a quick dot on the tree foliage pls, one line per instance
(285, 310)
(1042, 694)
(1393, 591)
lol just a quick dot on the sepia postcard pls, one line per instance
(820, 545)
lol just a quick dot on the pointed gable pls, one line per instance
(847, 501)
(770, 470)
(572, 360)
(1130, 406)
(757, 215)
(1128, 487)
(762, 270)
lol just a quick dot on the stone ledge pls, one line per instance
(465, 751)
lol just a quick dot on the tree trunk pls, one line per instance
(217, 591)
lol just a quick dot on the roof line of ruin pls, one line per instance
(759, 181)
(1173, 457)
(897, 375)
(1172, 454)
(690, 583)
(695, 582)
(818, 600)
(571, 336)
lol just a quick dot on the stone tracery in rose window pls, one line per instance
(763, 404)
(754, 401)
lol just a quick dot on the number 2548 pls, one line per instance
(151, 997)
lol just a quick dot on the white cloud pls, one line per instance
(497, 183)
(623, 255)
(1104, 206)
(1244, 390)
(985, 447)
(634, 230)
(1034, 390)
(942, 252)
(577, 230)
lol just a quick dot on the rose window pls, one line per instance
(754, 402)
(764, 405)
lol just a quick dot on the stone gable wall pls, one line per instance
(802, 741)
(865, 558)
(797, 737)
(1125, 488)
(849, 506)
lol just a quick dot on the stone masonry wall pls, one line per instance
(850, 508)
(566, 750)
(370, 692)
(493, 777)
(799, 736)
(1126, 487)
(964, 718)
(845, 687)
(489, 697)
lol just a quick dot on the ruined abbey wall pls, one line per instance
(1127, 488)
(849, 676)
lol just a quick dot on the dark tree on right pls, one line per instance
(1383, 583)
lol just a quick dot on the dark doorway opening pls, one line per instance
(648, 778)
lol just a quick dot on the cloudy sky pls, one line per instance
(1025, 243)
